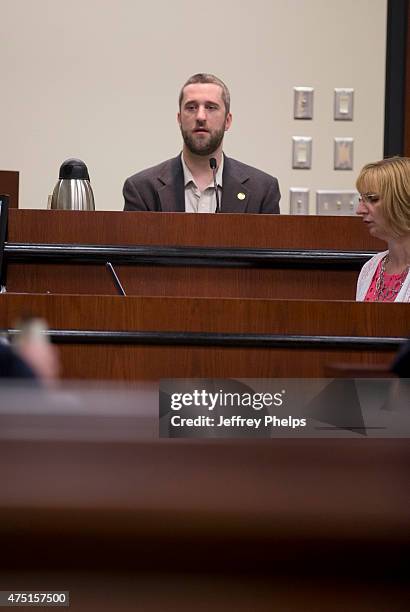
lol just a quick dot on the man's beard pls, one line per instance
(203, 146)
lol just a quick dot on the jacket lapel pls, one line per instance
(171, 190)
(235, 195)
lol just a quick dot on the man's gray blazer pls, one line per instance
(161, 189)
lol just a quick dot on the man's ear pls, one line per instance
(228, 121)
(179, 118)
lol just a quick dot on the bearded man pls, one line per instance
(187, 183)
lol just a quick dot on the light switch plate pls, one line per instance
(336, 202)
(343, 154)
(299, 201)
(343, 107)
(303, 102)
(301, 152)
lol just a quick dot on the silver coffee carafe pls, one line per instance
(73, 190)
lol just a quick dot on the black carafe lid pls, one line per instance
(74, 169)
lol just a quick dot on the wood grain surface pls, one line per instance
(171, 229)
(207, 315)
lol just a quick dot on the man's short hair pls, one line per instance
(203, 77)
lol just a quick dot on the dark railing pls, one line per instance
(70, 336)
(184, 256)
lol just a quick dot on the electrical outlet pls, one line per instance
(299, 201)
(336, 203)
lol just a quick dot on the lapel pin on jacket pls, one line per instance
(241, 196)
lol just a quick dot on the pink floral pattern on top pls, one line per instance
(392, 283)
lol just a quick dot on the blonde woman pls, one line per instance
(384, 206)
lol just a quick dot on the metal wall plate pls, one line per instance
(299, 201)
(301, 152)
(343, 107)
(343, 154)
(303, 102)
(336, 202)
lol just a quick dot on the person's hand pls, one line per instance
(34, 347)
(42, 357)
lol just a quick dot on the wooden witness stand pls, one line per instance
(207, 296)
(174, 254)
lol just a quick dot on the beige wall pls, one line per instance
(99, 79)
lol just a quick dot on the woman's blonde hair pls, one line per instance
(389, 179)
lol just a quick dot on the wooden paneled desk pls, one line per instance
(174, 254)
(199, 293)
(128, 338)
